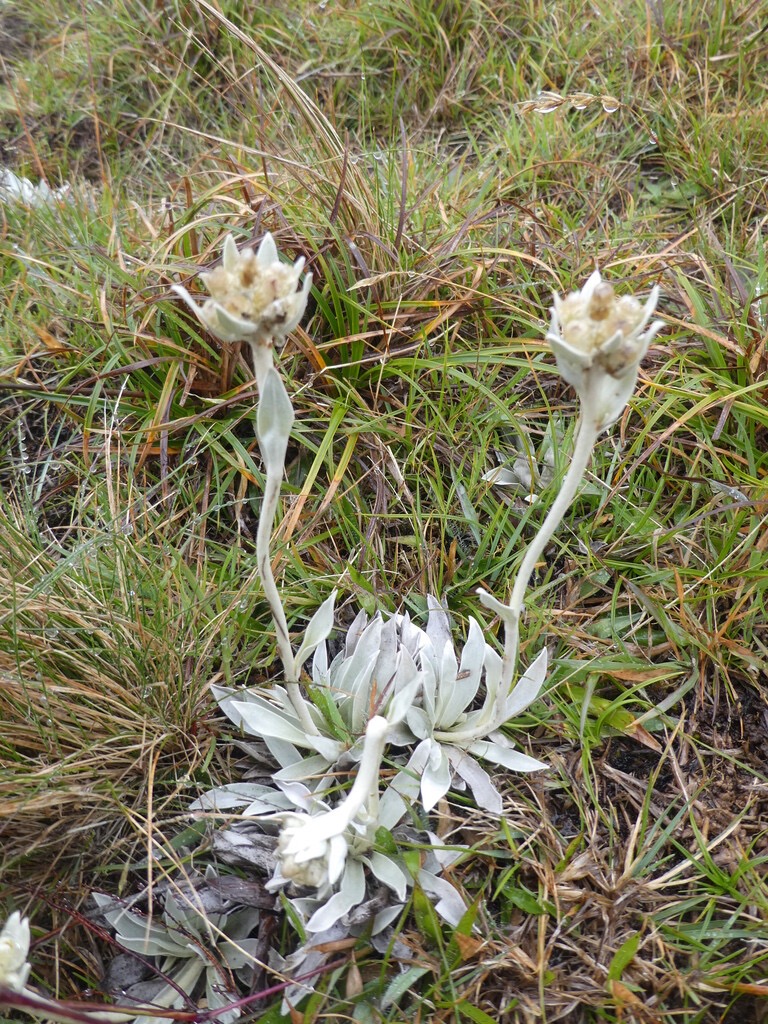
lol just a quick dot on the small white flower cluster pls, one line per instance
(594, 315)
(306, 859)
(254, 296)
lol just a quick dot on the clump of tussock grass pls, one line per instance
(96, 696)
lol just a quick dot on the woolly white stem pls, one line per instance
(365, 788)
(586, 436)
(262, 363)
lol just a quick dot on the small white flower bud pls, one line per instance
(302, 859)
(601, 303)
(14, 950)
(579, 334)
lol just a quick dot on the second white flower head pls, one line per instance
(599, 340)
(312, 849)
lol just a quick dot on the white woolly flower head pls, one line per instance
(312, 850)
(599, 339)
(254, 296)
(306, 856)
(14, 950)
(328, 850)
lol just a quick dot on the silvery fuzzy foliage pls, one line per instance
(438, 713)
(375, 673)
(374, 919)
(14, 189)
(196, 942)
(450, 734)
(414, 678)
(341, 869)
(333, 849)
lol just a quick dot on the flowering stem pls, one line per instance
(274, 461)
(365, 788)
(586, 436)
